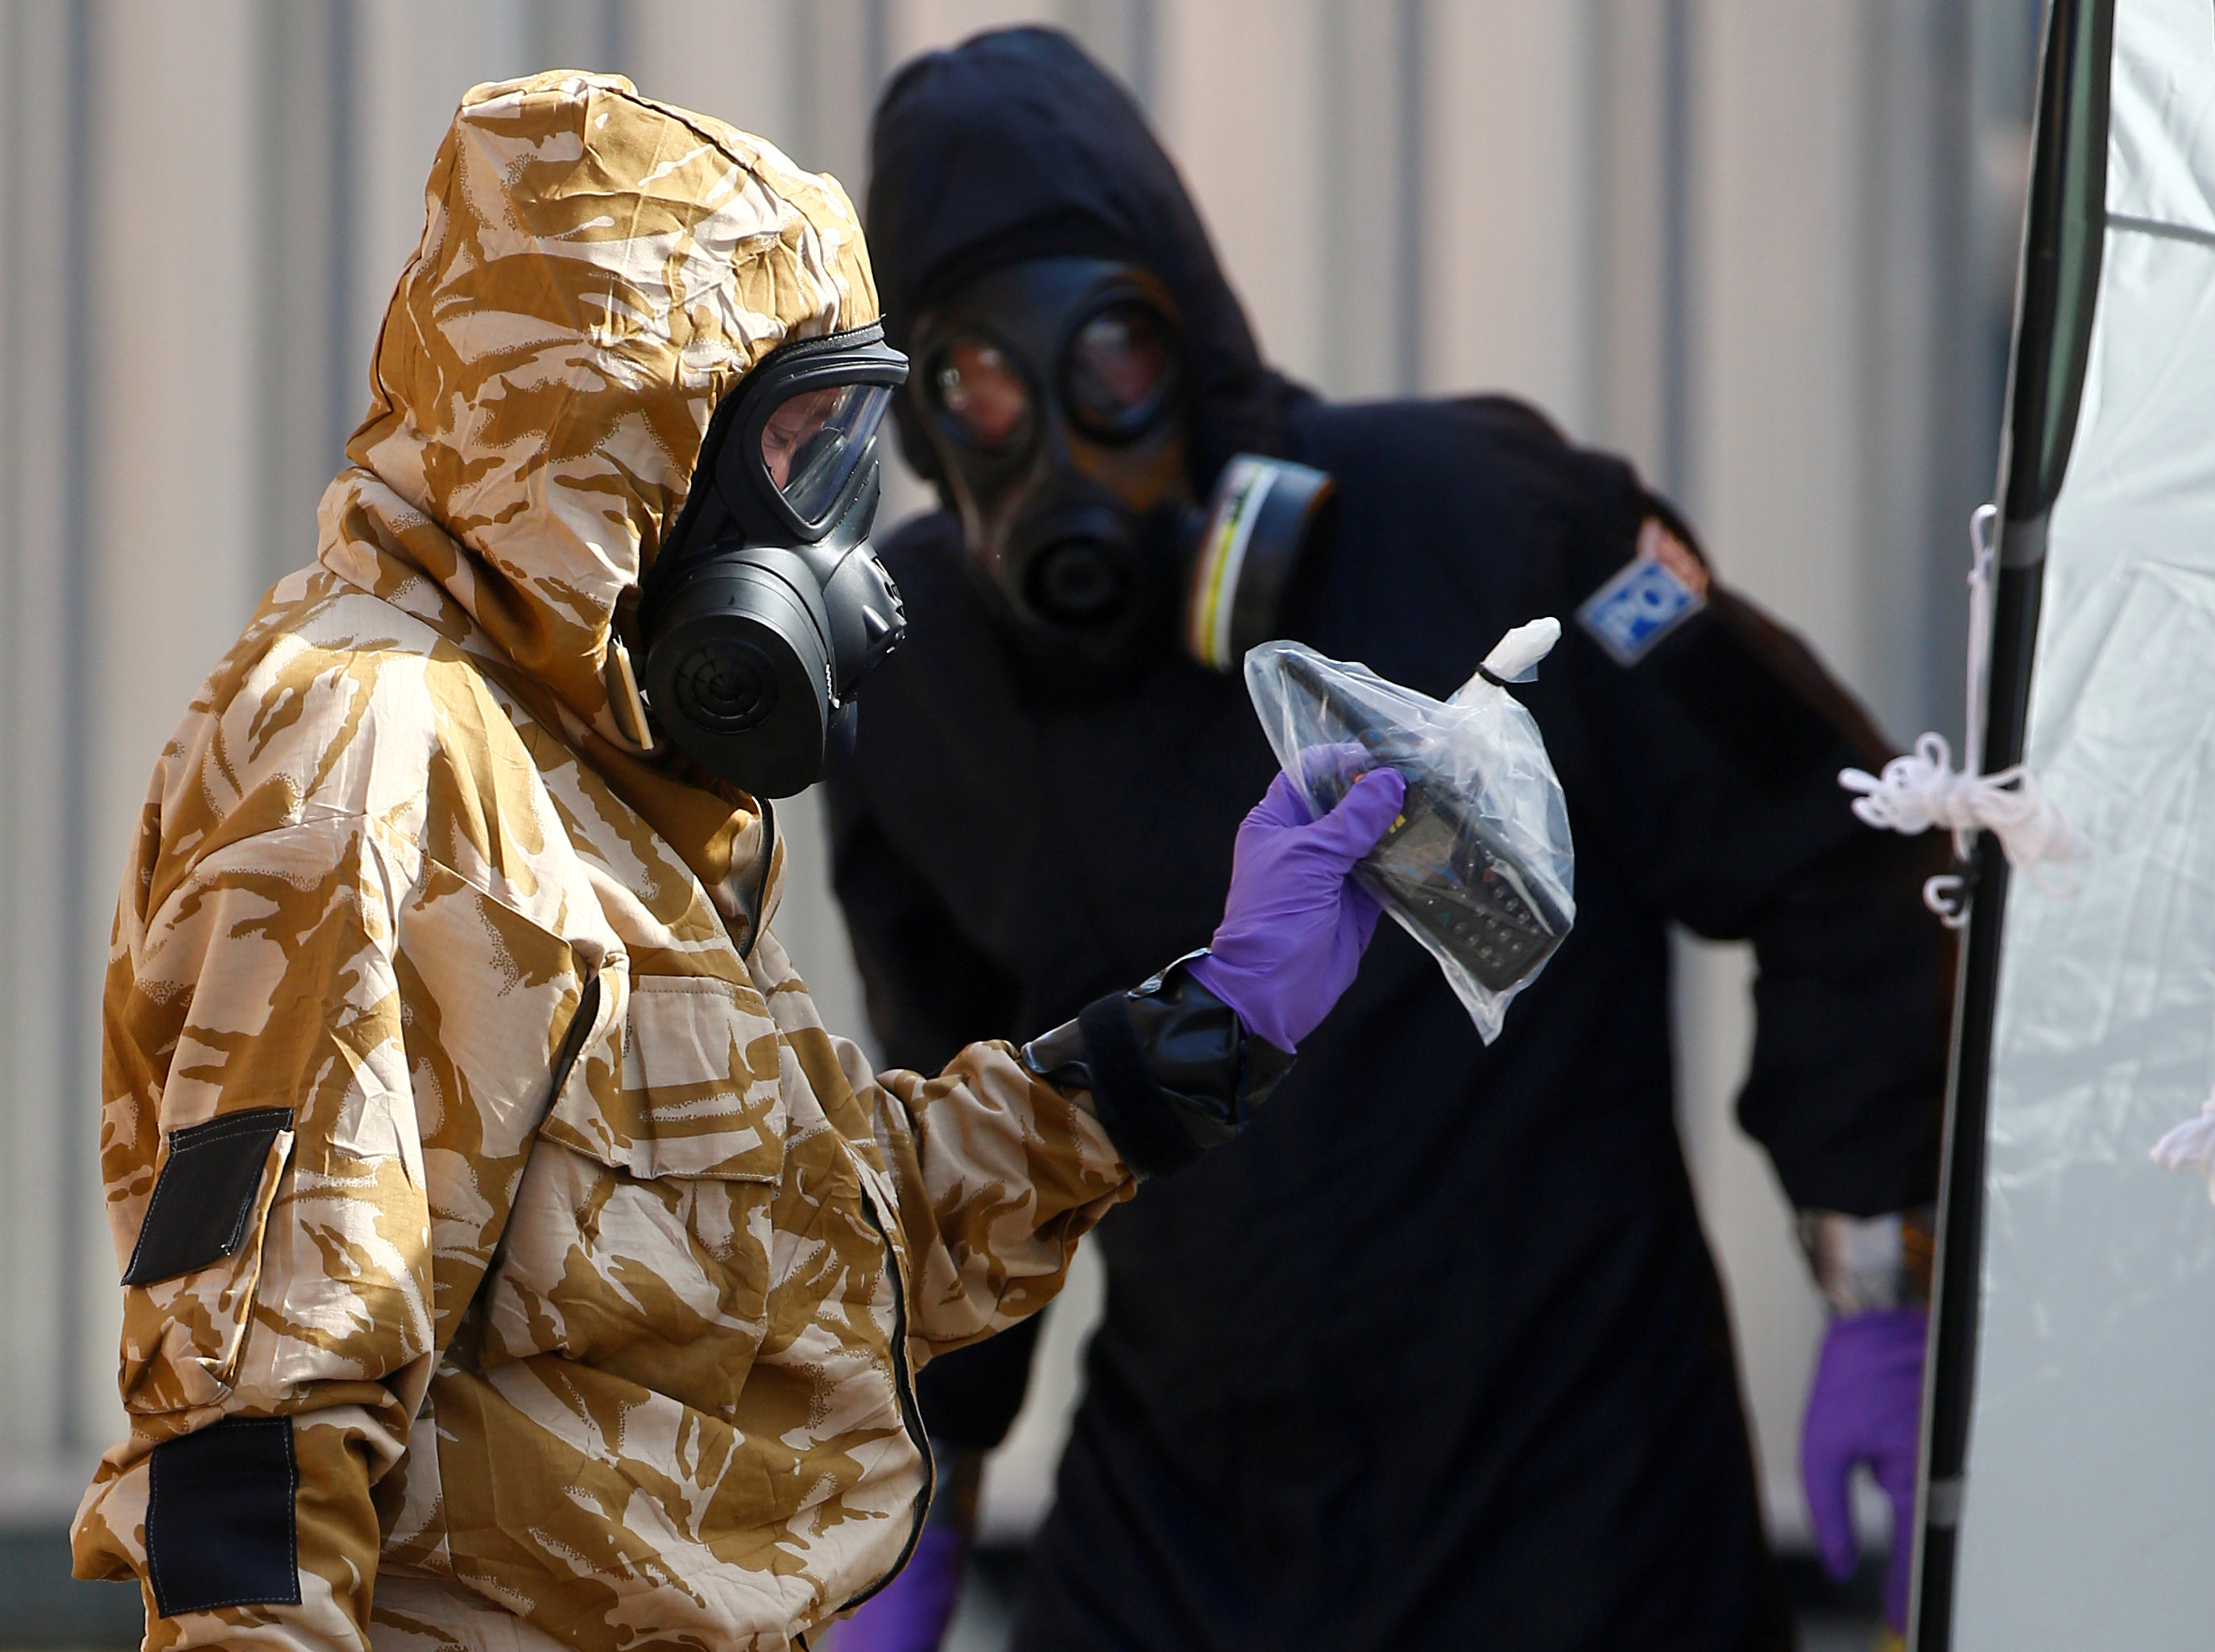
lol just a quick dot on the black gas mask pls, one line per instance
(766, 606)
(1054, 400)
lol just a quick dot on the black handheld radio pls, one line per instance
(1453, 875)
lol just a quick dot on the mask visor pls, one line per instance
(812, 441)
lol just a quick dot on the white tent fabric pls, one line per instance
(2088, 1517)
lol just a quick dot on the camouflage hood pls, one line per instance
(597, 271)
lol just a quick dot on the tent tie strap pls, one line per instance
(1922, 789)
(2191, 1146)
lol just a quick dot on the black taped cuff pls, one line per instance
(1171, 1069)
(1140, 1119)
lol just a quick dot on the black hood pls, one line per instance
(1016, 146)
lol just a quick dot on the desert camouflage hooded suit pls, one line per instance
(624, 1355)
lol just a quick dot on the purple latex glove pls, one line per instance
(1294, 927)
(1866, 1407)
(910, 1614)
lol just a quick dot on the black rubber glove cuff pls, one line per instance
(1171, 1068)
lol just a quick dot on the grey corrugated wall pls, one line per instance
(1757, 243)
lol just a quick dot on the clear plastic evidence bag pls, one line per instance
(1479, 867)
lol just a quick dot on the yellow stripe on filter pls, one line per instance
(1222, 555)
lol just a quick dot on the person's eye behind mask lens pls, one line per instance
(1120, 365)
(979, 390)
(790, 427)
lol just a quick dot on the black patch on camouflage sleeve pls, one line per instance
(220, 1528)
(204, 1196)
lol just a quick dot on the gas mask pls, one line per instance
(766, 606)
(1054, 401)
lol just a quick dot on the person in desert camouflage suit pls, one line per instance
(511, 1255)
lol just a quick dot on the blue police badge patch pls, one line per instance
(1637, 608)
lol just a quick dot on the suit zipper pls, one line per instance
(581, 1022)
(573, 1036)
(761, 884)
(911, 1416)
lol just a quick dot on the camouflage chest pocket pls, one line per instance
(193, 1274)
(643, 1242)
(697, 1093)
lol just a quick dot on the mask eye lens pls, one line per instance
(978, 388)
(1122, 367)
(813, 439)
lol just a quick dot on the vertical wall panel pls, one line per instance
(730, 58)
(841, 53)
(1628, 396)
(1509, 272)
(414, 59)
(1925, 454)
(1777, 336)
(577, 33)
(1831, 471)
(175, 480)
(919, 25)
(1124, 34)
(1367, 107)
(1254, 159)
(172, 495)
(1782, 309)
(44, 1022)
(309, 383)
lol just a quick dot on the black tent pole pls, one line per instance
(2064, 231)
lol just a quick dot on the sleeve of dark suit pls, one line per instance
(1714, 763)
(930, 993)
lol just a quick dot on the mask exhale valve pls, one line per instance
(767, 606)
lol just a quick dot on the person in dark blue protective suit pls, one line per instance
(1472, 1384)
